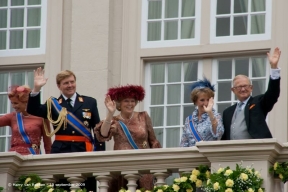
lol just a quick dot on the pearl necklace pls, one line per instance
(129, 118)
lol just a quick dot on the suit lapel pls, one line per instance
(77, 104)
(230, 116)
(246, 112)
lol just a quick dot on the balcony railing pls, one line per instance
(262, 153)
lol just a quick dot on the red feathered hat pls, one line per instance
(128, 91)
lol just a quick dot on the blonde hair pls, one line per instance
(19, 92)
(196, 92)
(63, 75)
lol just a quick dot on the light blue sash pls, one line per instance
(23, 133)
(195, 134)
(128, 135)
(74, 122)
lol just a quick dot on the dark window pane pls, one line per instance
(173, 94)
(172, 137)
(17, 18)
(3, 36)
(257, 24)
(171, 8)
(187, 93)
(4, 82)
(258, 5)
(17, 2)
(240, 6)
(34, 2)
(34, 17)
(3, 3)
(242, 66)
(173, 115)
(17, 78)
(188, 8)
(174, 72)
(170, 30)
(259, 87)
(187, 29)
(3, 18)
(154, 31)
(2, 144)
(223, 7)
(16, 39)
(154, 9)
(240, 25)
(157, 116)
(157, 94)
(157, 73)
(33, 38)
(258, 67)
(3, 108)
(190, 70)
(223, 26)
(225, 69)
(224, 91)
(187, 111)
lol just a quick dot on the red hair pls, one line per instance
(20, 92)
(128, 91)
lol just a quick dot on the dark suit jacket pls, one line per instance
(35, 107)
(255, 112)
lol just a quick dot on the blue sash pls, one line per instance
(23, 133)
(195, 134)
(74, 122)
(128, 135)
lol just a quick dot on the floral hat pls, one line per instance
(119, 93)
(21, 92)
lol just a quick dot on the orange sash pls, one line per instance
(89, 146)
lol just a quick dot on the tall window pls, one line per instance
(168, 23)
(168, 97)
(22, 27)
(240, 20)
(254, 67)
(7, 79)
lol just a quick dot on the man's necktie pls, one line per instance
(69, 102)
(239, 108)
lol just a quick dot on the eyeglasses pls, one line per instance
(238, 88)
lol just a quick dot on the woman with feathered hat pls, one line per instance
(130, 129)
(204, 124)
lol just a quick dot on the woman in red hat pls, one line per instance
(27, 130)
(130, 129)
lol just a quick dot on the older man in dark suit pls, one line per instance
(246, 119)
(77, 114)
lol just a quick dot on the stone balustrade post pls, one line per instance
(103, 181)
(132, 181)
(75, 180)
(160, 176)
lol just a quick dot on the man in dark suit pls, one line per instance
(81, 112)
(246, 119)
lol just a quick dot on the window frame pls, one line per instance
(169, 43)
(26, 51)
(239, 38)
(147, 101)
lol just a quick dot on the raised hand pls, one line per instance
(274, 58)
(110, 105)
(209, 106)
(39, 79)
